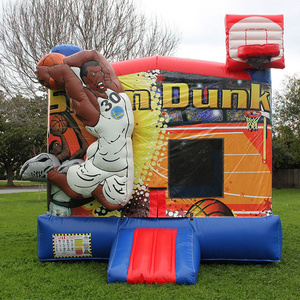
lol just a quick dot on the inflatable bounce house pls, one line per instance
(157, 163)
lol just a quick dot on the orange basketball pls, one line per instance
(51, 59)
(58, 124)
(209, 208)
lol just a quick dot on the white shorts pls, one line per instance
(84, 179)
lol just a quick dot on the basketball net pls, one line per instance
(252, 118)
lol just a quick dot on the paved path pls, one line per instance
(22, 189)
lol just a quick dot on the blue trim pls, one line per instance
(263, 75)
(256, 239)
(66, 49)
(187, 260)
(120, 256)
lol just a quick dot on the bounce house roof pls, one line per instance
(182, 65)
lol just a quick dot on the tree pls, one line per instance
(116, 28)
(286, 153)
(23, 125)
(31, 28)
(287, 105)
(286, 125)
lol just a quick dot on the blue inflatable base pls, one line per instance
(221, 238)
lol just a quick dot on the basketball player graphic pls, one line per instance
(100, 102)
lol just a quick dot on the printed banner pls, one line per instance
(202, 140)
(72, 245)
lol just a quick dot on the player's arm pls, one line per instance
(81, 57)
(82, 105)
(64, 75)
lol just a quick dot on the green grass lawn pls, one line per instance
(23, 276)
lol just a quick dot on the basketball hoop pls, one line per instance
(252, 118)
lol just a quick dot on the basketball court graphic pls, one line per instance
(198, 138)
(202, 130)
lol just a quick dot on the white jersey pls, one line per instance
(109, 160)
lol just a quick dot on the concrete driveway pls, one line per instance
(22, 189)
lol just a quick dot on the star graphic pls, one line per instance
(160, 78)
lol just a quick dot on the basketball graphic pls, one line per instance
(51, 59)
(209, 208)
(58, 124)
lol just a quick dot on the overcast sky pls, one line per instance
(202, 27)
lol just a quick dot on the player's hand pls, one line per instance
(43, 75)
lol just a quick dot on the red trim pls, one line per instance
(152, 205)
(234, 65)
(252, 113)
(230, 20)
(152, 258)
(161, 204)
(182, 65)
(246, 51)
(157, 204)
